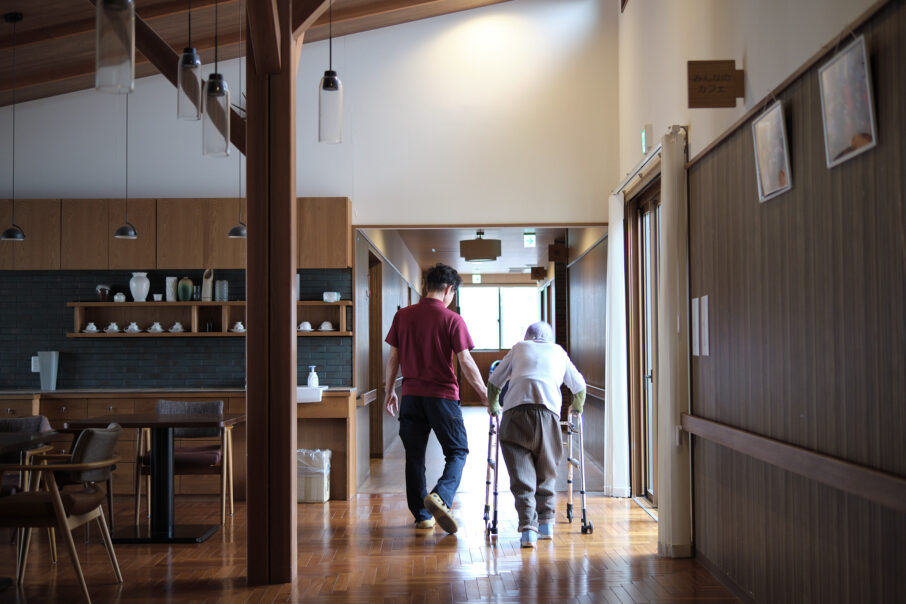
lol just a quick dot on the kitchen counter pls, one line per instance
(19, 393)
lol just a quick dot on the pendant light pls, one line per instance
(330, 97)
(115, 46)
(216, 125)
(127, 231)
(14, 232)
(239, 231)
(188, 80)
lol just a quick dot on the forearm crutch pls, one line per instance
(574, 426)
(490, 516)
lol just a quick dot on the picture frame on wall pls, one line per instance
(772, 155)
(847, 104)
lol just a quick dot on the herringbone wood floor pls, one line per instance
(366, 550)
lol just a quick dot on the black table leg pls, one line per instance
(162, 482)
(162, 529)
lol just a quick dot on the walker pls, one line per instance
(574, 426)
(493, 442)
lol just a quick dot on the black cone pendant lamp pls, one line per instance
(127, 231)
(216, 125)
(188, 80)
(330, 98)
(14, 232)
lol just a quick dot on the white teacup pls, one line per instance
(304, 326)
(326, 326)
(177, 327)
(120, 297)
(112, 327)
(238, 326)
(91, 327)
(133, 327)
(158, 297)
(155, 327)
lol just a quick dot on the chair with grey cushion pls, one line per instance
(203, 459)
(67, 507)
(16, 481)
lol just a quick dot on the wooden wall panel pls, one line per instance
(136, 254)
(807, 332)
(83, 234)
(587, 301)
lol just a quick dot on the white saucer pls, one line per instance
(108, 330)
(91, 331)
(172, 330)
(132, 330)
(238, 330)
(332, 329)
(155, 330)
(305, 330)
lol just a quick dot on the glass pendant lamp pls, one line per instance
(240, 230)
(127, 231)
(115, 46)
(188, 81)
(14, 232)
(330, 98)
(216, 125)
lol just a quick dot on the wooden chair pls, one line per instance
(90, 462)
(17, 481)
(205, 459)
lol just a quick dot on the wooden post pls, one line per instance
(271, 343)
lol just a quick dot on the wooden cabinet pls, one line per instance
(219, 250)
(83, 234)
(180, 233)
(40, 219)
(132, 254)
(324, 232)
(192, 233)
(318, 312)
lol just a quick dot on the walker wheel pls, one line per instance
(588, 529)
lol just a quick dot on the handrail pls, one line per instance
(876, 486)
(595, 391)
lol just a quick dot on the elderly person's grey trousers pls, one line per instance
(532, 445)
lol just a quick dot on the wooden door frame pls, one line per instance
(634, 306)
(375, 353)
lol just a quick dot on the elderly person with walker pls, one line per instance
(529, 434)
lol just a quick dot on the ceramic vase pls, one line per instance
(185, 289)
(207, 285)
(171, 289)
(139, 286)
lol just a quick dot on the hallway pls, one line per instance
(366, 550)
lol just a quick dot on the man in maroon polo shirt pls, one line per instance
(423, 339)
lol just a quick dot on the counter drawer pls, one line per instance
(61, 410)
(110, 406)
(17, 408)
(329, 407)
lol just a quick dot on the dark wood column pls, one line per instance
(271, 340)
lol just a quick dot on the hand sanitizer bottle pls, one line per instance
(312, 376)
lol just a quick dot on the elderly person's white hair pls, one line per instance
(539, 332)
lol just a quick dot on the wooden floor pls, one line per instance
(367, 550)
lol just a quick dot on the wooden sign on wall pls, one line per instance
(714, 84)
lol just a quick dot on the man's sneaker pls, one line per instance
(546, 530)
(441, 513)
(427, 523)
(528, 539)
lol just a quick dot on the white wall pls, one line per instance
(770, 39)
(506, 113)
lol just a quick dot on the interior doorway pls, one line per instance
(642, 246)
(376, 358)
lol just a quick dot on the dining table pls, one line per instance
(162, 528)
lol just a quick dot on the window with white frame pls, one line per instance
(497, 317)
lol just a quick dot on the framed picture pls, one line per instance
(847, 108)
(772, 155)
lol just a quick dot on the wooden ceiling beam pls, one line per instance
(306, 13)
(83, 26)
(264, 33)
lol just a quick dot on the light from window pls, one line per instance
(497, 317)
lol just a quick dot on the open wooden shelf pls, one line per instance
(195, 317)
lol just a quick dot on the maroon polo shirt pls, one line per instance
(427, 336)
